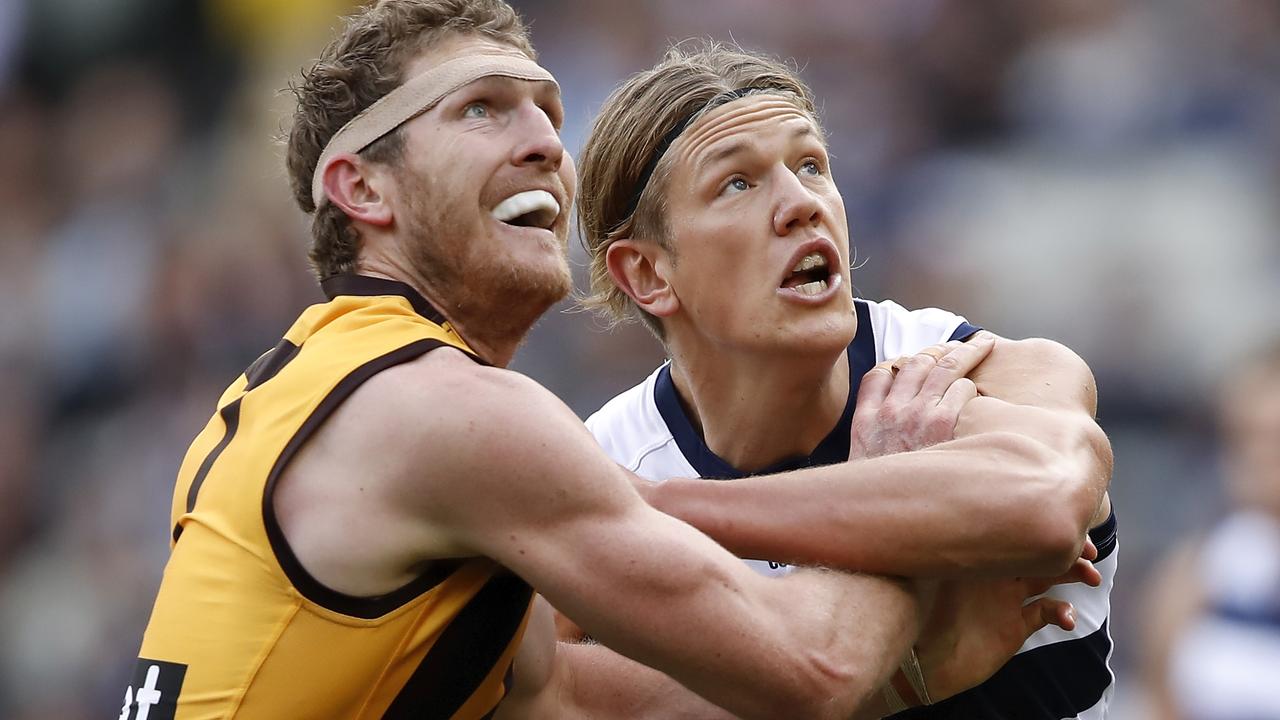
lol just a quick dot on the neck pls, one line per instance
(756, 410)
(494, 330)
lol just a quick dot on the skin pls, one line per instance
(550, 505)
(491, 280)
(748, 190)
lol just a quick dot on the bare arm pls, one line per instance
(1048, 377)
(558, 680)
(508, 472)
(598, 684)
(1011, 495)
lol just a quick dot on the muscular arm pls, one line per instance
(508, 472)
(1012, 495)
(577, 680)
(1046, 387)
(600, 684)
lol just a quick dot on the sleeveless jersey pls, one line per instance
(240, 629)
(1057, 674)
(1225, 663)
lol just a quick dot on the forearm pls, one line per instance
(964, 505)
(862, 624)
(600, 683)
(811, 644)
(1042, 375)
(1075, 444)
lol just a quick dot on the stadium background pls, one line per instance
(1102, 172)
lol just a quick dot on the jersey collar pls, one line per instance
(365, 285)
(833, 448)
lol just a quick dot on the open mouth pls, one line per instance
(810, 276)
(531, 208)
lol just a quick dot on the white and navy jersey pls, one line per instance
(1056, 674)
(1225, 664)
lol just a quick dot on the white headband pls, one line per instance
(415, 97)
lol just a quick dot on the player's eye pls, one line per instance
(810, 167)
(735, 185)
(475, 110)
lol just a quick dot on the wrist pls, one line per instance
(906, 688)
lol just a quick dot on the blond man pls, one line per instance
(710, 213)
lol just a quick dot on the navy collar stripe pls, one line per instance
(834, 447)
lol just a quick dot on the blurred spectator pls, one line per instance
(1212, 646)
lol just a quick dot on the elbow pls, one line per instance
(1061, 491)
(1085, 474)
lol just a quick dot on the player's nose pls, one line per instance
(539, 143)
(795, 206)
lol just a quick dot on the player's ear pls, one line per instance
(642, 270)
(357, 187)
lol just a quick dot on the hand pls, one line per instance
(977, 625)
(912, 403)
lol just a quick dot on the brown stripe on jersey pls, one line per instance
(352, 284)
(466, 651)
(231, 419)
(271, 362)
(312, 589)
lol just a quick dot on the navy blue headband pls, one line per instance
(643, 181)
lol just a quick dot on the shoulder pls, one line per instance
(446, 410)
(465, 443)
(1043, 354)
(900, 331)
(630, 426)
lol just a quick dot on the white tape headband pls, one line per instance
(415, 97)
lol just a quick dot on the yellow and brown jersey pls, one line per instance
(240, 629)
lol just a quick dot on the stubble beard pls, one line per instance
(482, 289)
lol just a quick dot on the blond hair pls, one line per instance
(692, 79)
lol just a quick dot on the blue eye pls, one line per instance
(736, 185)
(475, 110)
(810, 167)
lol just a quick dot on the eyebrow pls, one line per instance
(739, 146)
(491, 83)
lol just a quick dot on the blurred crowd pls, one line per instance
(1101, 172)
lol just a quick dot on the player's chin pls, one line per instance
(832, 324)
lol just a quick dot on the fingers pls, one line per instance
(1082, 571)
(900, 404)
(958, 362)
(1090, 551)
(912, 372)
(875, 386)
(953, 401)
(1048, 611)
(863, 436)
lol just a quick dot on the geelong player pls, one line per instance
(1212, 646)
(359, 529)
(709, 210)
